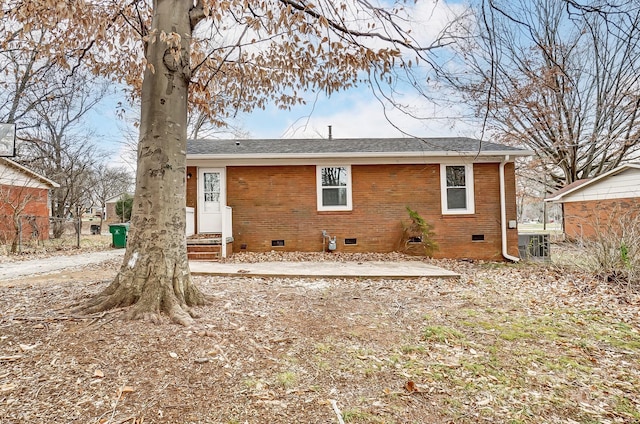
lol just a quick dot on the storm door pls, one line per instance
(211, 199)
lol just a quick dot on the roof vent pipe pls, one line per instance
(330, 135)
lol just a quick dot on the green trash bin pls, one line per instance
(119, 234)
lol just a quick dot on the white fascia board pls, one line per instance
(560, 196)
(353, 158)
(31, 174)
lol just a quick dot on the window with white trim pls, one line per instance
(334, 187)
(456, 186)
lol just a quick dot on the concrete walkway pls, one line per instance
(18, 269)
(391, 270)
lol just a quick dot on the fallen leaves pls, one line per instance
(411, 387)
(26, 347)
(7, 387)
(526, 346)
(10, 358)
(124, 390)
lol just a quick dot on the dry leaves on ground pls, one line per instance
(504, 343)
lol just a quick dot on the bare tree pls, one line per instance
(107, 182)
(203, 126)
(558, 77)
(27, 77)
(61, 148)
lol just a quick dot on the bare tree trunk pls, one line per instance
(102, 209)
(17, 233)
(154, 276)
(57, 209)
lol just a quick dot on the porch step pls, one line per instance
(203, 256)
(207, 247)
(203, 252)
(204, 239)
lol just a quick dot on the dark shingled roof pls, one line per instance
(347, 146)
(568, 187)
(579, 185)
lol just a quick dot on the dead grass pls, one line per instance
(509, 344)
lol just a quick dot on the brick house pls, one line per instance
(286, 195)
(24, 196)
(110, 214)
(600, 204)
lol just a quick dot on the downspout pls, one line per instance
(223, 233)
(503, 214)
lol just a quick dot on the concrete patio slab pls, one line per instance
(390, 270)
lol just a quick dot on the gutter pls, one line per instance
(350, 155)
(503, 213)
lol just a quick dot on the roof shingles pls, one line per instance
(347, 146)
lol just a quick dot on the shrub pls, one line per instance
(417, 236)
(123, 208)
(614, 252)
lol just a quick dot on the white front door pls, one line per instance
(212, 198)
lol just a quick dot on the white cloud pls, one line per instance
(358, 113)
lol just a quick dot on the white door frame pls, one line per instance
(205, 222)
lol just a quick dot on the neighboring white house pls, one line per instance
(590, 205)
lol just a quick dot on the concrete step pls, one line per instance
(203, 256)
(203, 248)
(204, 252)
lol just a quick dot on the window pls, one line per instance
(211, 191)
(334, 188)
(457, 189)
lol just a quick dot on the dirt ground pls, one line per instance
(504, 343)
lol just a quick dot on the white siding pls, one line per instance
(619, 186)
(13, 177)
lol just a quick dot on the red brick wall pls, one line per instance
(586, 219)
(112, 216)
(279, 203)
(36, 207)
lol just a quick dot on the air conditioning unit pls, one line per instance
(534, 247)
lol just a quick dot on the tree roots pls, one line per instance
(149, 295)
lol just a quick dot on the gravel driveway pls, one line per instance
(14, 270)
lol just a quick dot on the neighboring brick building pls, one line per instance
(283, 194)
(600, 205)
(110, 214)
(24, 198)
